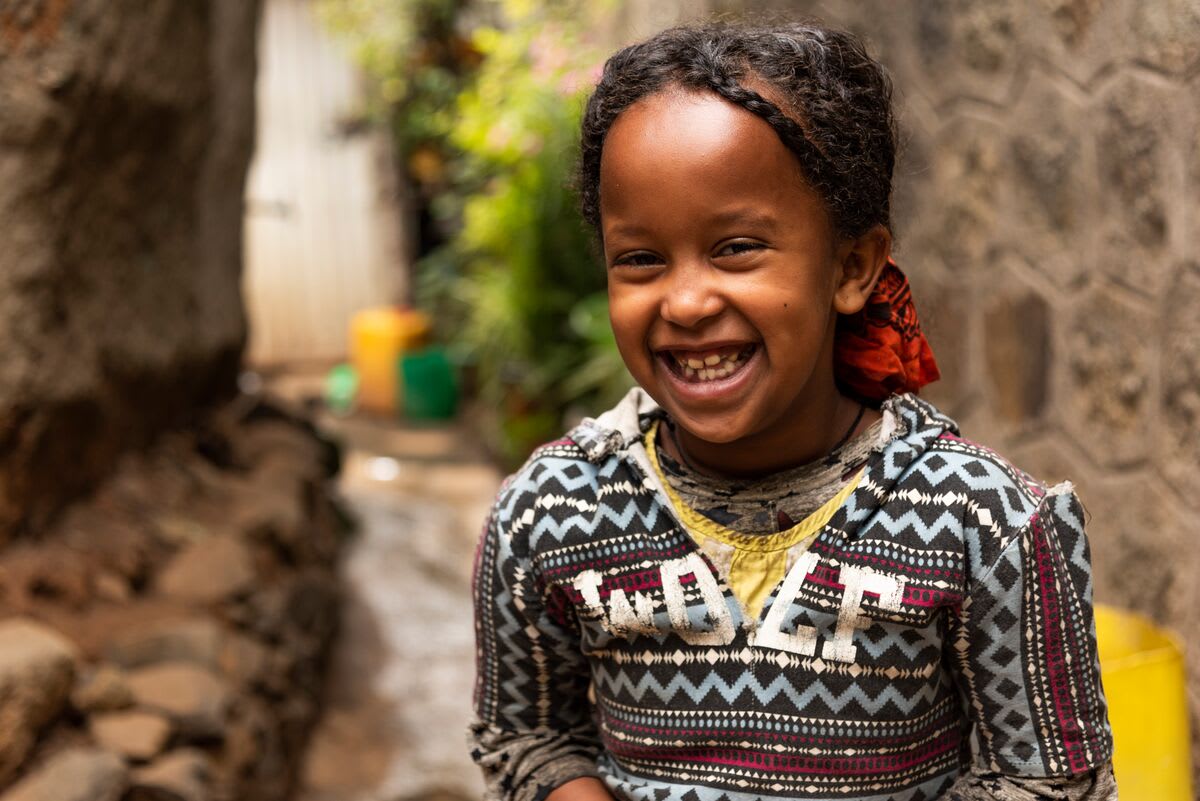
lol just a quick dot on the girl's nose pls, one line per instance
(691, 296)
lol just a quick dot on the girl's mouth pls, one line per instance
(701, 367)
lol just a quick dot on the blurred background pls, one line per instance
(286, 287)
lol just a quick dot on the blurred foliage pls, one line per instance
(420, 59)
(485, 101)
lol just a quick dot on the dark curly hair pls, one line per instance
(836, 113)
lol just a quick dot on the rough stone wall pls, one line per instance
(166, 638)
(125, 132)
(1048, 209)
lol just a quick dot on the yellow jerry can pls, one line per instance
(1144, 680)
(377, 339)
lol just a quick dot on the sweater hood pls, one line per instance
(917, 424)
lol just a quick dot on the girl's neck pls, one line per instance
(807, 437)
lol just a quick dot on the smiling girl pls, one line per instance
(773, 571)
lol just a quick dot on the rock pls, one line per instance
(77, 774)
(196, 640)
(209, 571)
(137, 735)
(112, 587)
(243, 660)
(1017, 350)
(1110, 359)
(251, 732)
(37, 668)
(1166, 32)
(1054, 183)
(102, 690)
(974, 169)
(273, 511)
(191, 696)
(47, 573)
(968, 45)
(1135, 209)
(183, 775)
(178, 529)
(1180, 432)
(301, 607)
(312, 606)
(272, 438)
(435, 794)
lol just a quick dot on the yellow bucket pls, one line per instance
(1144, 681)
(377, 339)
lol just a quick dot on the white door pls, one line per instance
(323, 235)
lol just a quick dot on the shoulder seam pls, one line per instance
(1044, 503)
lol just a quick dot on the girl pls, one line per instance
(772, 570)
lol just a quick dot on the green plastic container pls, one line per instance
(341, 389)
(428, 388)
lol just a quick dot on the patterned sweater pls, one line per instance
(942, 608)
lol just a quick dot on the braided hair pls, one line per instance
(834, 111)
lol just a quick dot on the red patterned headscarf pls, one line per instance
(881, 350)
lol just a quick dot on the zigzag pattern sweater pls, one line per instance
(943, 609)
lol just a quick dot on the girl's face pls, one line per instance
(724, 277)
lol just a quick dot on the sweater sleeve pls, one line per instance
(1024, 651)
(533, 729)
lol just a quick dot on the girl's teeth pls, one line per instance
(711, 367)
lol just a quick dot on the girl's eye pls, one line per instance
(639, 258)
(739, 247)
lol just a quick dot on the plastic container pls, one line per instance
(341, 389)
(1143, 673)
(430, 389)
(378, 337)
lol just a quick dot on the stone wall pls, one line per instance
(125, 133)
(167, 638)
(1048, 208)
(167, 545)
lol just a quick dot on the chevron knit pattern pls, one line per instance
(950, 592)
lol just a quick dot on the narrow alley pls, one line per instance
(399, 693)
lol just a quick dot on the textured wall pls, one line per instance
(125, 131)
(1048, 207)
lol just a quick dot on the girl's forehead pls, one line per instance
(676, 159)
(693, 135)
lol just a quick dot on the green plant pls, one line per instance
(516, 289)
(420, 60)
(519, 289)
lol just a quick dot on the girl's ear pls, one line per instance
(860, 262)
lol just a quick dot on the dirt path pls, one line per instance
(399, 697)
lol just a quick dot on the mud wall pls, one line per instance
(125, 132)
(1048, 208)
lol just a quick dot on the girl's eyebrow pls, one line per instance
(627, 229)
(748, 217)
(751, 217)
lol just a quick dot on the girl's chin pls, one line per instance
(713, 429)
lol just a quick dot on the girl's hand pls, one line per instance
(586, 788)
